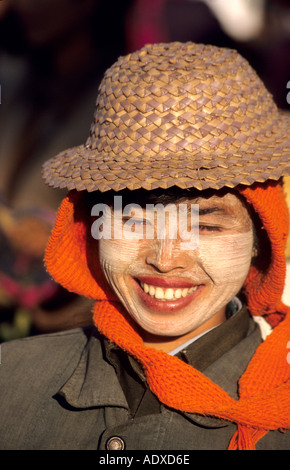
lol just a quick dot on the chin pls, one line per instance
(173, 327)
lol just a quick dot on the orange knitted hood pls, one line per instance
(71, 254)
(72, 259)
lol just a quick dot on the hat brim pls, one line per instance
(83, 168)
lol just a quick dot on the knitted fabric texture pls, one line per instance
(264, 388)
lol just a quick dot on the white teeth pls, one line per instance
(166, 294)
(159, 294)
(151, 290)
(184, 292)
(169, 294)
(178, 293)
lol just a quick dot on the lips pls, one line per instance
(165, 295)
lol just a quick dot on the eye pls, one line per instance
(132, 220)
(137, 222)
(209, 228)
(135, 225)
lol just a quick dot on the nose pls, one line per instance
(166, 256)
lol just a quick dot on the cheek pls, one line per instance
(227, 258)
(116, 256)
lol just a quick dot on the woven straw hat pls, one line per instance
(178, 114)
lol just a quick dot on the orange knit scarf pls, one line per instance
(264, 388)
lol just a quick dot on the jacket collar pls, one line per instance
(90, 387)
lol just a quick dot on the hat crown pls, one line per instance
(181, 97)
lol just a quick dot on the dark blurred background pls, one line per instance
(52, 57)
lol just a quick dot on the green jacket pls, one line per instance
(72, 390)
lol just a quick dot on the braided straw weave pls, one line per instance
(178, 114)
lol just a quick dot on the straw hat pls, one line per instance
(178, 114)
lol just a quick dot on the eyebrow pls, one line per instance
(206, 211)
(211, 210)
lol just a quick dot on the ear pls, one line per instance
(254, 252)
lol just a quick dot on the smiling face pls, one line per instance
(174, 294)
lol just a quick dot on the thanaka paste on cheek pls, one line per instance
(117, 257)
(221, 264)
(226, 257)
(226, 261)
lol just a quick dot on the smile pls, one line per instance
(164, 294)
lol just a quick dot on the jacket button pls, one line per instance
(115, 443)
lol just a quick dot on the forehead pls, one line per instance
(225, 206)
(226, 200)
